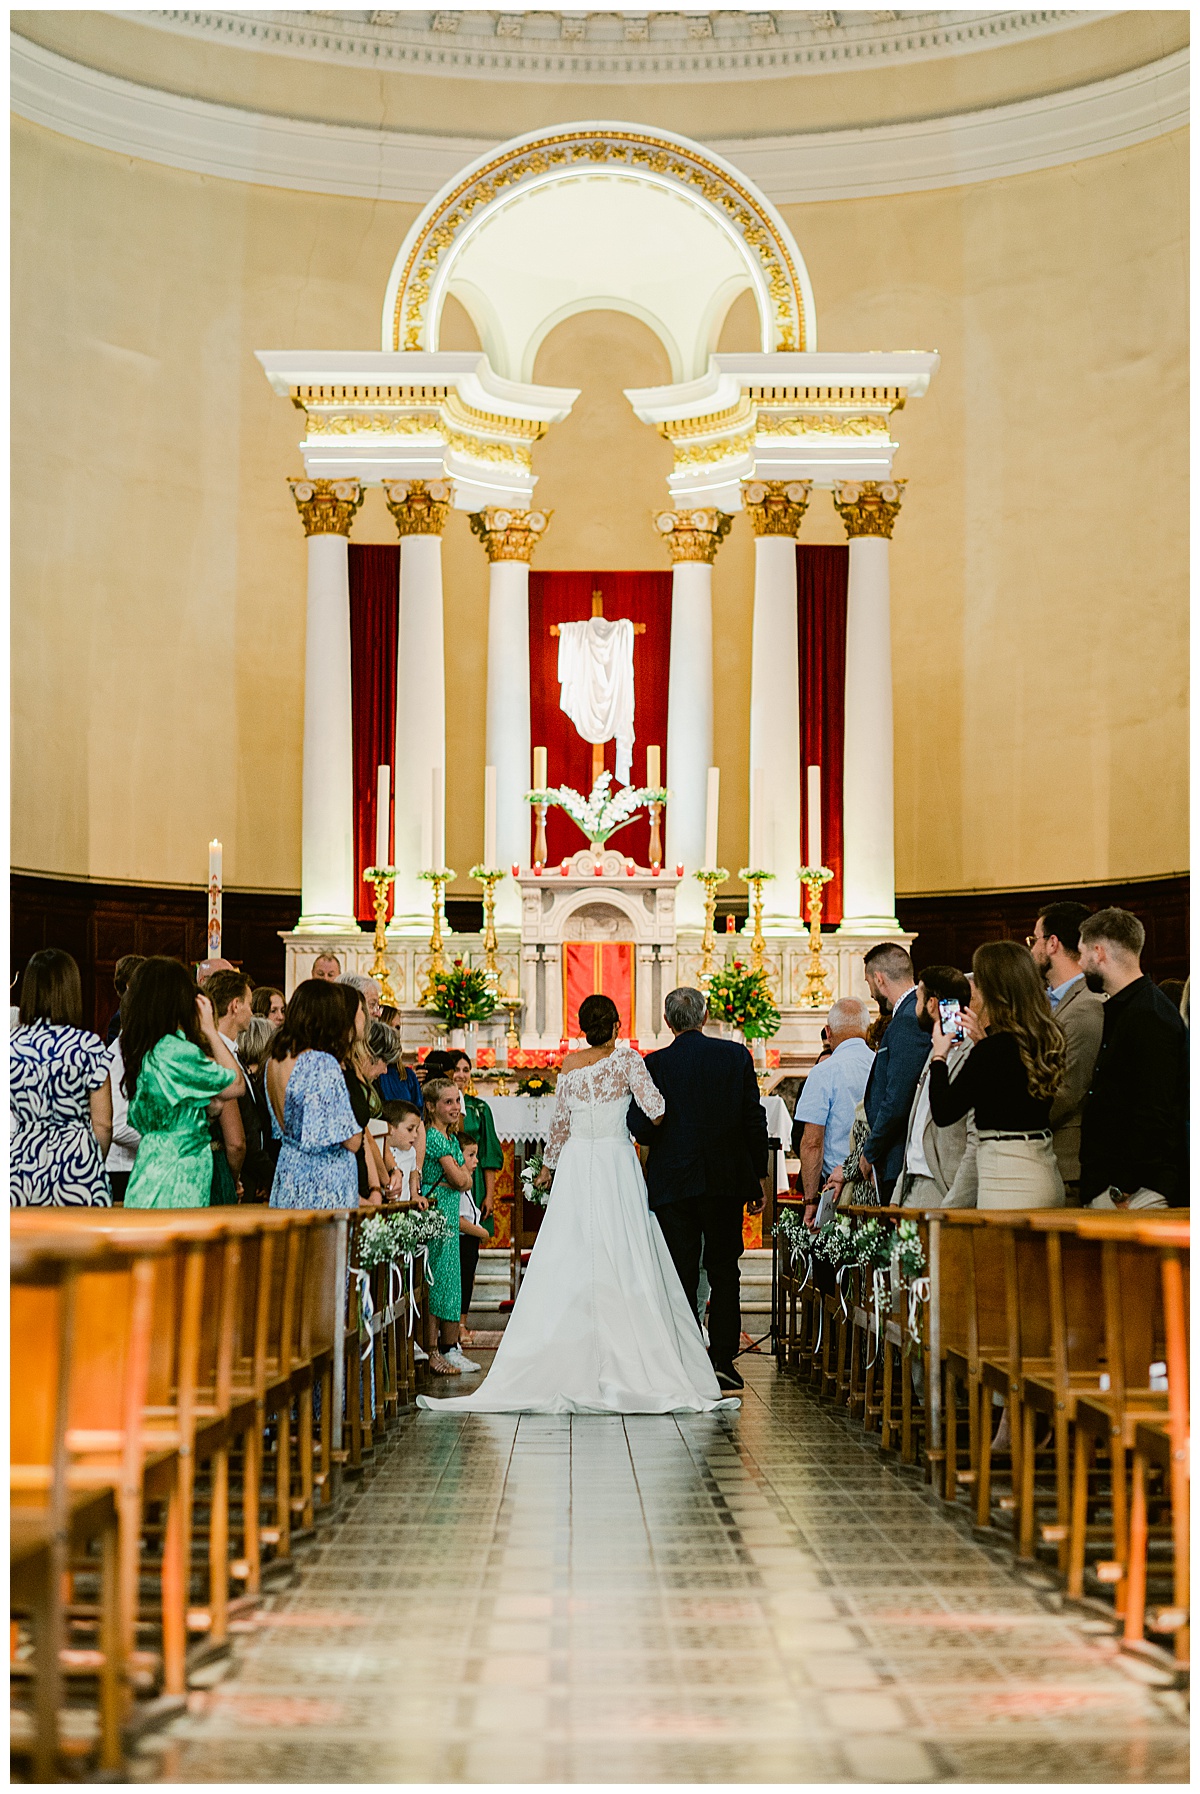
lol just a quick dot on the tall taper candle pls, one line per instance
(383, 805)
(214, 900)
(539, 769)
(489, 816)
(814, 815)
(710, 827)
(757, 795)
(653, 769)
(439, 818)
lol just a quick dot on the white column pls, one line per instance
(869, 854)
(327, 822)
(420, 724)
(692, 538)
(775, 509)
(509, 538)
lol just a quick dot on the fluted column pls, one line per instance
(509, 537)
(420, 509)
(692, 539)
(776, 510)
(869, 510)
(327, 903)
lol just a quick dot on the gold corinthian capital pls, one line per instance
(419, 507)
(776, 507)
(509, 535)
(693, 535)
(869, 507)
(326, 507)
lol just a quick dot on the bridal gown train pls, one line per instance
(601, 1324)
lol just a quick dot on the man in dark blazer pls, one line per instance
(707, 1157)
(897, 1068)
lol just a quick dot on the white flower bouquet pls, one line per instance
(604, 811)
(530, 1171)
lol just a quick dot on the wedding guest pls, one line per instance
(472, 1234)
(832, 1092)
(207, 967)
(406, 1149)
(368, 987)
(1134, 1148)
(327, 966)
(178, 1071)
(1010, 1078)
(939, 1162)
(123, 971)
(390, 1014)
(400, 1083)
(311, 1116)
(364, 1099)
(477, 1120)
(443, 1180)
(897, 1066)
(269, 1002)
(1173, 989)
(1079, 1012)
(125, 1139)
(229, 993)
(262, 1148)
(60, 1098)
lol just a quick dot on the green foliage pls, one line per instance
(743, 998)
(461, 995)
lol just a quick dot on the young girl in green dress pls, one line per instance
(443, 1179)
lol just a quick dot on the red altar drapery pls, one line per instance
(374, 624)
(605, 967)
(567, 598)
(822, 575)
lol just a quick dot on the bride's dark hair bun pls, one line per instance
(599, 1018)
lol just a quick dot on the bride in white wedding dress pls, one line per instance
(601, 1324)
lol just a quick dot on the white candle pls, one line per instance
(439, 819)
(383, 804)
(653, 769)
(214, 900)
(426, 835)
(757, 786)
(814, 815)
(489, 816)
(710, 827)
(539, 769)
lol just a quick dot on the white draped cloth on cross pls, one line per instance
(595, 671)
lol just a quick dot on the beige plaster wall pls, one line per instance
(1039, 567)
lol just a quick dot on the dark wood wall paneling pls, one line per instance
(98, 923)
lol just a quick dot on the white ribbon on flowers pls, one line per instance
(918, 1292)
(878, 1291)
(366, 1308)
(841, 1289)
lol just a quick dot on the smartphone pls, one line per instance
(951, 1014)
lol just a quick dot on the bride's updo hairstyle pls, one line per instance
(599, 1019)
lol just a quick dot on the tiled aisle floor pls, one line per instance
(753, 1597)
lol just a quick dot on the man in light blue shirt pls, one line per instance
(832, 1091)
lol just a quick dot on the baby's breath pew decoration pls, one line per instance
(791, 1230)
(417, 1228)
(377, 1241)
(836, 1243)
(874, 1242)
(910, 1254)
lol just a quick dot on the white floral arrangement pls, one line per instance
(605, 811)
(530, 1171)
(812, 875)
(417, 1228)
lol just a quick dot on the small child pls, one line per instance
(471, 1232)
(404, 1142)
(443, 1180)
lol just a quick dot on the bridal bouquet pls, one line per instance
(605, 811)
(531, 1169)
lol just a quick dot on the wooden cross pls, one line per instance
(638, 629)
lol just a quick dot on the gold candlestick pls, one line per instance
(710, 877)
(381, 877)
(756, 880)
(489, 877)
(439, 878)
(817, 994)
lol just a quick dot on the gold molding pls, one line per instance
(326, 507)
(419, 507)
(303, 396)
(821, 423)
(889, 397)
(618, 149)
(503, 454)
(693, 535)
(509, 535)
(491, 423)
(679, 429)
(869, 507)
(362, 423)
(703, 454)
(776, 507)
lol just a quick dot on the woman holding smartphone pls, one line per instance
(1010, 1079)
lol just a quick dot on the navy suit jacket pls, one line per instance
(892, 1086)
(712, 1141)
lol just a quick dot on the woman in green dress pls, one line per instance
(178, 1071)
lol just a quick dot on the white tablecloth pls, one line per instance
(521, 1118)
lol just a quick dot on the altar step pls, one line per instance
(492, 1282)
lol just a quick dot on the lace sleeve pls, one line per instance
(644, 1090)
(560, 1129)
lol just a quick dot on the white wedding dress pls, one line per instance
(601, 1324)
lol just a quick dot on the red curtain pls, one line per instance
(374, 625)
(822, 575)
(567, 598)
(601, 968)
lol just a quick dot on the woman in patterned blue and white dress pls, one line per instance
(59, 1093)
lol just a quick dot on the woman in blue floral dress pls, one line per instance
(59, 1093)
(310, 1107)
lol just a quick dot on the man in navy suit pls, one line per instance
(897, 1068)
(706, 1160)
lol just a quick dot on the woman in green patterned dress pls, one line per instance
(178, 1071)
(443, 1180)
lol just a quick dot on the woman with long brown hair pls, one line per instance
(59, 1093)
(1010, 1079)
(310, 1109)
